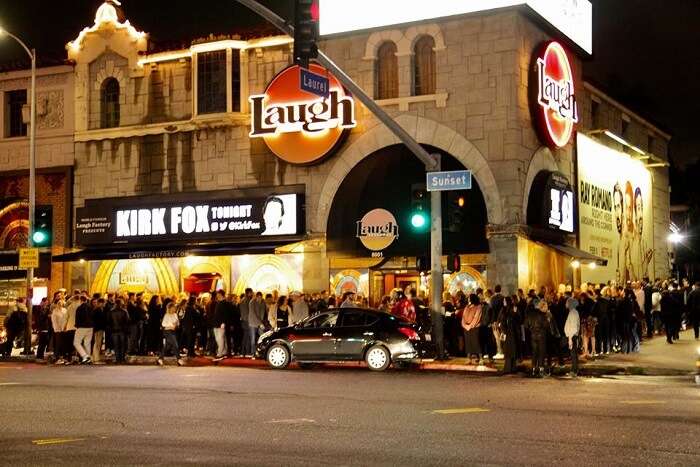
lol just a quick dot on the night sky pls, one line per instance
(645, 50)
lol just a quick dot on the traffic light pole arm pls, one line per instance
(430, 162)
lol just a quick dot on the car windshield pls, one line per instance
(325, 320)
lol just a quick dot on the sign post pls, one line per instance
(28, 258)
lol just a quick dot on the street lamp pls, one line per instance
(32, 183)
(675, 237)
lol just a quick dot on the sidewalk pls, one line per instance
(656, 358)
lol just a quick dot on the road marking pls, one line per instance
(458, 411)
(9, 384)
(644, 402)
(43, 442)
(292, 421)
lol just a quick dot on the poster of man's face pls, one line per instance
(617, 206)
(638, 211)
(280, 215)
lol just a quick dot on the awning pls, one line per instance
(174, 251)
(577, 254)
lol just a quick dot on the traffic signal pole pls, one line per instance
(431, 162)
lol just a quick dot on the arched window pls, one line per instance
(387, 72)
(109, 117)
(424, 66)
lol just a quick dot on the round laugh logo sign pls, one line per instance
(297, 126)
(553, 95)
(377, 229)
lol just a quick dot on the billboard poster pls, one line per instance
(615, 213)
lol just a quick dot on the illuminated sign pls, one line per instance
(197, 220)
(615, 213)
(297, 126)
(553, 99)
(551, 202)
(377, 229)
(574, 18)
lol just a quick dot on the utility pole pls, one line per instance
(32, 185)
(431, 162)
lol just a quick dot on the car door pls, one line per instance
(354, 331)
(314, 339)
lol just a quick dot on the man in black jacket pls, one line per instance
(118, 325)
(694, 309)
(135, 324)
(99, 323)
(83, 330)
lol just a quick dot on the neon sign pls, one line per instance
(554, 97)
(299, 127)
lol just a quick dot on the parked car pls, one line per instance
(346, 334)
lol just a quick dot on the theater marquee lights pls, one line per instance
(299, 127)
(553, 95)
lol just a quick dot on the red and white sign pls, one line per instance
(300, 127)
(553, 94)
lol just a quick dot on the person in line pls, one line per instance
(507, 333)
(488, 346)
(537, 323)
(188, 312)
(59, 319)
(279, 314)
(72, 305)
(99, 326)
(497, 303)
(135, 324)
(348, 300)
(109, 306)
(82, 340)
(154, 335)
(233, 325)
(669, 307)
(42, 315)
(219, 323)
(257, 311)
(471, 323)
(170, 324)
(300, 309)
(245, 305)
(694, 309)
(119, 325)
(572, 330)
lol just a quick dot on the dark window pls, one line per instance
(424, 66)
(15, 100)
(109, 117)
(211, 82)
(235, 80)
(354, 318)
(387, 72)
(325, 320)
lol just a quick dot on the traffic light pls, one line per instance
(454, 263)
(456, 211)
(306, 15)
(42, 234)
(420, 219)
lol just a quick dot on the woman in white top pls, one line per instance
(170, 324)
(59, 320)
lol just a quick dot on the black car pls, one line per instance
(346, 334)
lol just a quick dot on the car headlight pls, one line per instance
(264, 336)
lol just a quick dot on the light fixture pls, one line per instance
(592, 265)
(675, 237)
(81, 261)
(575, 264)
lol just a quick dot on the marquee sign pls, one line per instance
(553, 99)
(377, 230)
(300, 127)
(201, 220)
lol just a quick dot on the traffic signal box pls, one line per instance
(42, 234)
(306, 16)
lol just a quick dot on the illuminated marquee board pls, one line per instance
(553, 98)
(574, 18)
(297, 126)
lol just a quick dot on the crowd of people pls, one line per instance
(79, 328)
(554, 325)
(550, 326)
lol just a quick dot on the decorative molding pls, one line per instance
(50, 110)
(404, 102)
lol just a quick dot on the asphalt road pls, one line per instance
(209, 415)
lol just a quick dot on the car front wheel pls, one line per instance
(278, 357)
(378, 358)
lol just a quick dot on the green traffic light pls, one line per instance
(39, 237)
(418, 220)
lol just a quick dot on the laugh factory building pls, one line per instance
(220, 165)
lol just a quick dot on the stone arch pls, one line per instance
(378, 38)
(425, 131)
(543, 159)
(110, 70)
(414, 33)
